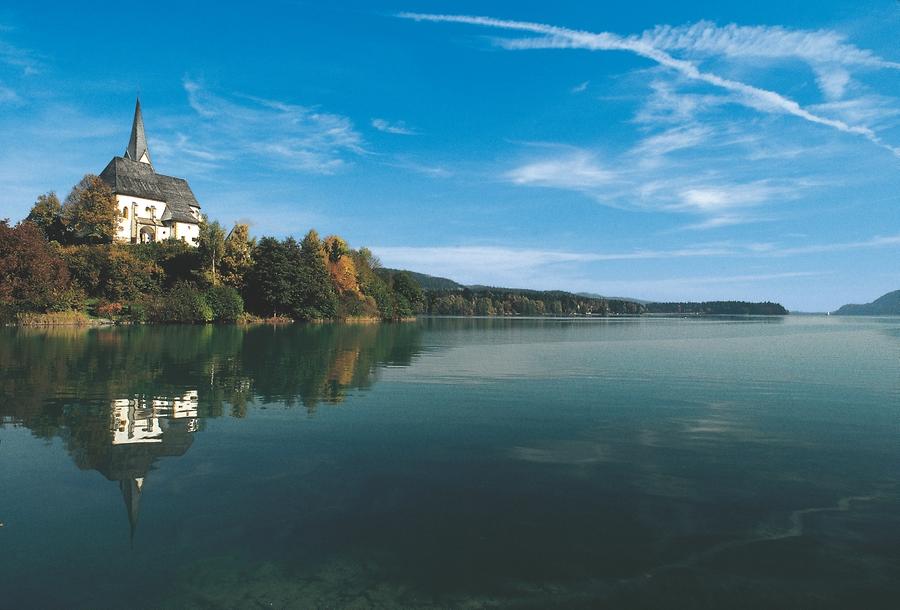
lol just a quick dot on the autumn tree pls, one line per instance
(33, 277)
(212, 248)
(238, 256)
(46, 214)
(90, 212)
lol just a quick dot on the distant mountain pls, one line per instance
(887, 305)
(429, 282)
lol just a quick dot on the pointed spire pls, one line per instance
(137, 146)
(131, 493)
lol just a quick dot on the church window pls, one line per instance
(125, 212)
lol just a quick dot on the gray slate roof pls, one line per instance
(127, 177)
(137, 144)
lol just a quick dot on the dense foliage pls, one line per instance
(509, 302)
(730, 308)
(33, 274)
(64, 257)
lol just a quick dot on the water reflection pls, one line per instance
(122, 398)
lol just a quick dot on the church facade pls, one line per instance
(151, 206)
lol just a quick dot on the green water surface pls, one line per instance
(453, 463)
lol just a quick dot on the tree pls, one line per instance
(225, 302)
(212, 248)
(33, 276)
(46, 214)
(90, 212)
(271, 279)
(316, 297)
(238, 256)
(408, 295)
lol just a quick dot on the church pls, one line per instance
(151, 206)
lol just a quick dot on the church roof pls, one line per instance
(127, 177)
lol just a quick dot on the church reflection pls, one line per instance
(142, 430)
(123, 398)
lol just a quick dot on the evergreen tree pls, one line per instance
(270, 281)
(316, 297)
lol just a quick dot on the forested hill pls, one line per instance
(887, 305)
(485, 301)
(426, 282)
(732, 308)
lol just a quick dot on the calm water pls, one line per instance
(453, 463)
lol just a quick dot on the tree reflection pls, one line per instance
(121, 398)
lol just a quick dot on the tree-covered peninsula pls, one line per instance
(63, 263)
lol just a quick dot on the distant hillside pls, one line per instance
(428, 282)
(443, 296)
(594, 295)
(887, 305)
(488, 301)
(727, 308)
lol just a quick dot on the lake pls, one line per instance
(453, 463)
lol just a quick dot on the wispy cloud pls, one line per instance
(475, 262)
(828, 53)
(7, 95)
(397, 128)
(762, 100)
(21, 59)
(574, 171)
(434, 171)
(580, 87)
(272, 132)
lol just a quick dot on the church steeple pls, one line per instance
(131, 493)
(137, 146)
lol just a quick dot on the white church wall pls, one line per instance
(187, 232)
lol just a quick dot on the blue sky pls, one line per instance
(665, 151)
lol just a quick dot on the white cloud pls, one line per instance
(21, 59)
(670, 140)
(489, 264)
(7, 95)
(272, 132)
(397, 128)
(576, 171)
(833, 81)
(816, 47)
(650, 48)
(580, 87)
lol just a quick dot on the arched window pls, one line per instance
(125, 212)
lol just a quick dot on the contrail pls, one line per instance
(557, 37)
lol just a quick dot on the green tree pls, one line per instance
(212, 248)
(315, 296)
(46, 214)
(408, 295)
(90, 212)
(225, 302)
(271, 280)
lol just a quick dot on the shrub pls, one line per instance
(182, 303)
(225, 302)
(107, 309)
